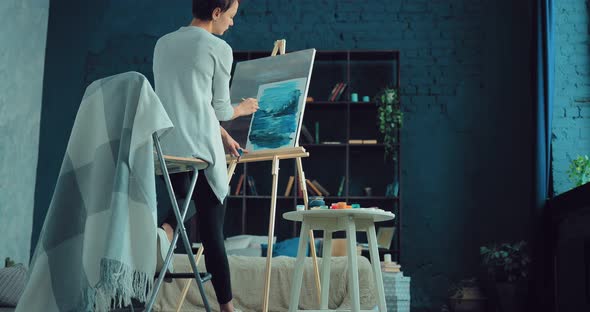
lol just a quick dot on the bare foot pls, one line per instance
(169, 231)
(228, 307)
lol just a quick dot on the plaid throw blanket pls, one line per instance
(97, 248)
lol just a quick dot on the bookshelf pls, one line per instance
(338, 122)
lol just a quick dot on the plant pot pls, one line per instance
(511, 296)
(470, 300)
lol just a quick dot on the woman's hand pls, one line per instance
(247, 107)
(231, 146)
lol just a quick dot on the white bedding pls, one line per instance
(247, 274)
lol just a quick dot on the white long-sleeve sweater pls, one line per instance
(192, 72)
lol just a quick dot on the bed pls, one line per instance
(247, 274)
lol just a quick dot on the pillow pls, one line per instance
(255, 240)
(258, 240)
(237, 242)
(287, 248)
(12, 284)
(247, 252)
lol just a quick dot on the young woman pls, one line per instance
(192, 73)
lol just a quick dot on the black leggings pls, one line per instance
(210, 216)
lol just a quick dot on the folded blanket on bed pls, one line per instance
(98, 243)
(247, 275)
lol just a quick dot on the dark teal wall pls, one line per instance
(465, 76)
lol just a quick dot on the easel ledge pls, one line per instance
(280, 153)
(182, 164)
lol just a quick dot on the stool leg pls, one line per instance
(353, 276)
(179, 232)
(298, 272)
(326, 262)
(375, 263)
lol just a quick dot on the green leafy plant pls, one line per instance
(389, 118)
(507, 262)
(579, 171)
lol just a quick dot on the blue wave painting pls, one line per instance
(275, 123)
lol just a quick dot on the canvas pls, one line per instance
(263, 75)
(275, 123)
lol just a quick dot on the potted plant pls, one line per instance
(579, 170)
(507, 266)
(466, 296)
(389, 118)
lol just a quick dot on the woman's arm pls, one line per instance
(222, 58)
(221, 99)
(246, 107)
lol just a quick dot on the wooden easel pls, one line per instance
(275, 155)
(296, 153)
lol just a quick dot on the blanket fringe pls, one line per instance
(118, 284)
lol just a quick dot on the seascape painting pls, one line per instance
(276, 122)
(254, 78)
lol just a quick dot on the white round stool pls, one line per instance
(331, 220)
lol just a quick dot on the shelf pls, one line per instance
(382, 55)
(341, 104)
(324, 145)
(324, 55)
(316, 104)
(372, 197)
(364, 73)
(378, 145)
(259, 197)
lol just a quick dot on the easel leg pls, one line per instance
(188, 282)
(311, 237)
(271, 231)
(231, 169)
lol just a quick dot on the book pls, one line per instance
(239, 186)
(317, 132)
(321, 188)
(313, 188)
(369, 141)
(355, 141)
(339, 92)
(308, 137)
(392, 270)
(341, 187)
(289, 185)
(333, 92)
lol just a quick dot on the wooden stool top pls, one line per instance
(376, 215)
